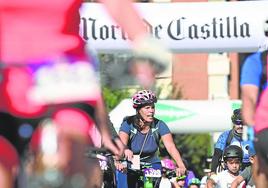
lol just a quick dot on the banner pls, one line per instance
(185, 116)
(236, 26)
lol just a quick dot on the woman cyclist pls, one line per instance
(145, 142)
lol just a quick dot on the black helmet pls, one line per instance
(233, 151)
(237, 117)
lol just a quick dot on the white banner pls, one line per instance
(236, 26)
(185, 116)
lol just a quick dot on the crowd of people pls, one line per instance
(51, 98)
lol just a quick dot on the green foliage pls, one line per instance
(194, 148)
(113, 97)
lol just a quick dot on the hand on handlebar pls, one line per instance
(128, 154)
(115, 146)
(120, 166)
(181, 171)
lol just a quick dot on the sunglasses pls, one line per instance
(238, 122)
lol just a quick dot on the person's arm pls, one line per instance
(218, 150)
(144, 45)
(216, 159)
(112, 129)
(249, 100)
(124, 137)
(127, 152)
(250, 81)
(114, 146)
(173, 151)
(239, 179)
(127, 17)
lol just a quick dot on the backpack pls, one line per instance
(133, 128)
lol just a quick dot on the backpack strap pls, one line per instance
(130, 122)
(229, 138)
(133, 132)
(264, 78)
(133, 129)
(155, 130)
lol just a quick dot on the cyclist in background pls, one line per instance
(230, 137)
(142, 132)
(260, 166)
(194, 183)
(41, 51)
(253, 81)
(232, 159)
(253, 84)
(246, 175)
(180, 182)
(190, 174)
(168, 166)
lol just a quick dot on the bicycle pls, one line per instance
(147, 176)
(54, 162)
(167, 176)
(106, 162)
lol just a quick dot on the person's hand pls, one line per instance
(150, 58)
(128, 154)
(115, 146)
(147, 47)
(120, 166)
(210, 183)
(181, 171)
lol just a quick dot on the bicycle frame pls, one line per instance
(146, 175)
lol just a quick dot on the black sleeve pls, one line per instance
(112, 129)
(215, 159)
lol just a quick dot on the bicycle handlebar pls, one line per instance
(98, 153)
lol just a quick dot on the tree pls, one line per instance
(194, 149)
(113, 97)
